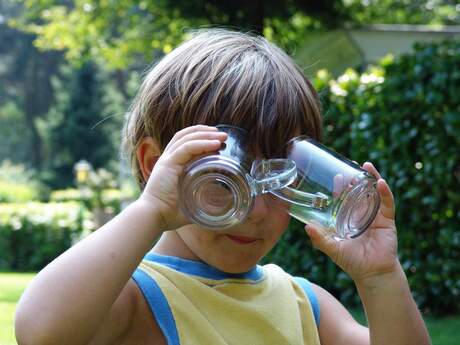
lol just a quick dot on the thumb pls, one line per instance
(324, 243)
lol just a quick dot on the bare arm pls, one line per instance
(85, 288)
(337, 326)
(372, 262)
(391, 312)
(68, 300)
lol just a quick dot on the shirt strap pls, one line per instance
(158, 305)
(308, 290)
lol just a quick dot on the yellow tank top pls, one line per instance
(196, 304)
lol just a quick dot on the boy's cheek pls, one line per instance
(277, 204)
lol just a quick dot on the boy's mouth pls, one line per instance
(242, 239)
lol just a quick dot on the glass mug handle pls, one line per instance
(271, 174)
(317, 200)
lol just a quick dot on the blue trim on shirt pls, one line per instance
(158, 305)
(200, 269)
(306, 286)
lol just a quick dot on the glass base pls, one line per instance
(357, 211)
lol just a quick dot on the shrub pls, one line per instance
(15, 192)
(17, 184)
(404, 116)
(108, 199)
(33, 234)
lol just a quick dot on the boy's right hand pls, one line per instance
(161, 190)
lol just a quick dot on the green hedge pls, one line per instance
(404, 116)
(109, 199)
(16, 192)
(19, 184)
(33, 234)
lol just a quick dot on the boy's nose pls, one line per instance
(259, 210)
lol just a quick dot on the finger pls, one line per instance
(190, 149)
(387, 206)
(370, 168)
(324, 243)
(199, 135)
(337, 185)
(188, 130)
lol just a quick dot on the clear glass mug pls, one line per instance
(332, 193)
(217, 191)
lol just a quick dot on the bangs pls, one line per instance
(261, 91)
(225, 77)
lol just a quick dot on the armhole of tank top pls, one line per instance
(158, 305)
(308, 290)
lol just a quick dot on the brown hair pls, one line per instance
(224, 77)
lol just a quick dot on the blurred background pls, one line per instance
(388, 73)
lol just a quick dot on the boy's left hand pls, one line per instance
(372, 254)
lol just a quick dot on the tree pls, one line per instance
(114, 33)
(426, 12)
(79, 132)
(27, 72)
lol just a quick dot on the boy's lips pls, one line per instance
(241, 239)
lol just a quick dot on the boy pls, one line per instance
(198, 286)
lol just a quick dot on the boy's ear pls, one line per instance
(148, 152)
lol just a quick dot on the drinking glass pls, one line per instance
(331, 192)
(217, 191)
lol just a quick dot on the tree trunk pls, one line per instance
(30, 112)
(120, 79)
(259, 16)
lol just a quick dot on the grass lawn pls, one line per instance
(443, 331)
(11, 287)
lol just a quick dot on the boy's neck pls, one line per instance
(171, 244)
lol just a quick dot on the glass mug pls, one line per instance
(332, 193)
(318, 186)
(217, 191)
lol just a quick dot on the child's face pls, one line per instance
(238, 249)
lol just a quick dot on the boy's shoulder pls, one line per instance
(129, 321)
(143, 328)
